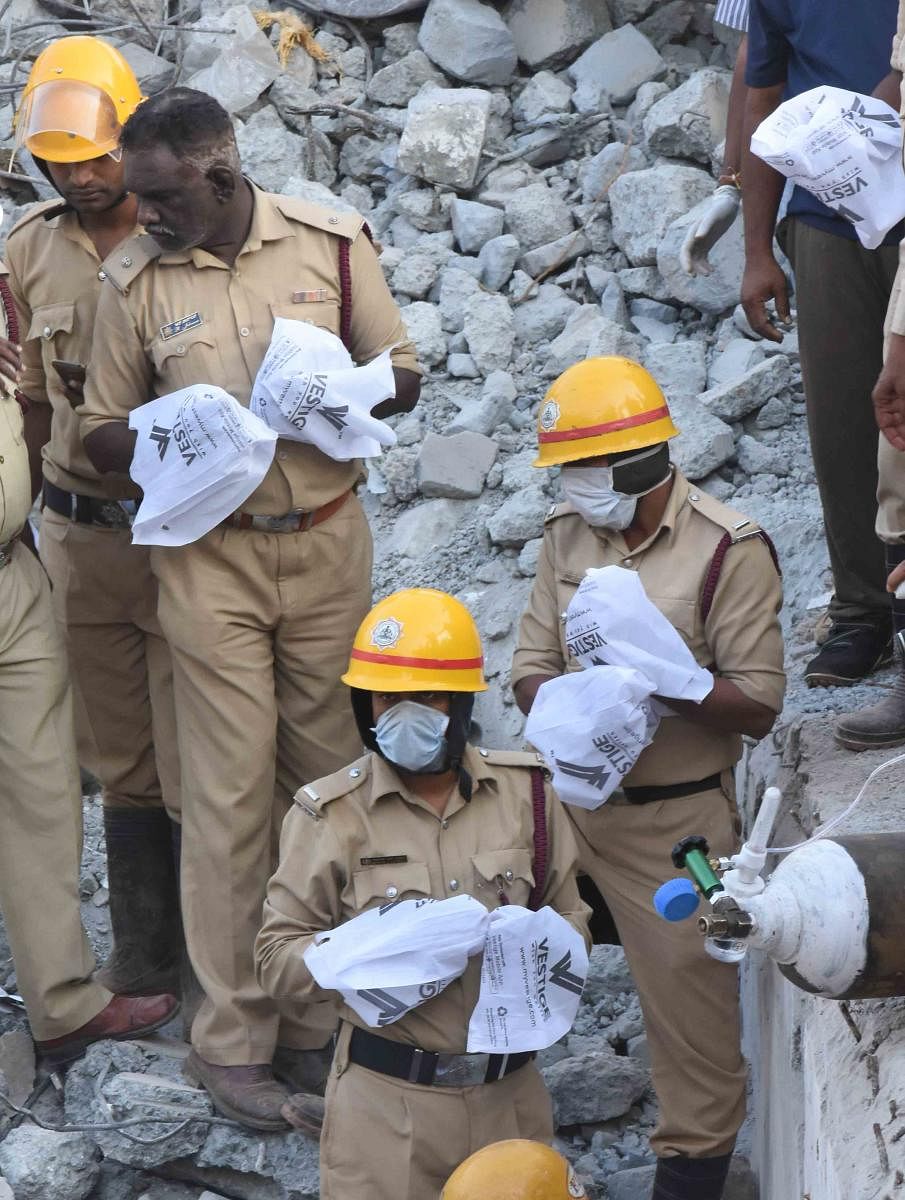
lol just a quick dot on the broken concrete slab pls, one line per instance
(455, 466)
(536, 215)
(486, 414)
(520, 518)
(691, 121)
(680, 368)
(588, 333)
(153, 72)
(365, 9)
(490, 331)
(615, 66)
(548, 34)
(473, 223)
(543, 93)
(468, 40)
(645, 203)
(738, 357)
(425, 526)
(738, 398)
(244, 64)
(497, 261)
(556, 254)
(270, 152)
(444, 134)
(457, 287)
(422, 320)
(704, 442)
(39, 1164)
(600, 1085)
(401, 81)
(596, 174)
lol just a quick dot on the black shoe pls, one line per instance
(850, 653)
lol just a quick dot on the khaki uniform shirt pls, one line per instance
(167, 321)
(55, 275)
(741, 639)
(15, 476)
(327, 873)
(895, 316)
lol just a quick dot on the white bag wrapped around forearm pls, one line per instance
(591, 726)
(198, 456)
(611, 620)
(535, 966)
(843, 148)
(309, 390)
(390, 959)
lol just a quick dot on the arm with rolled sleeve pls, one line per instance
(303, 899)
(120, 379)
(561, 885)
(32, 381)
(538, 653)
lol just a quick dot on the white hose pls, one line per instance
(823, 830)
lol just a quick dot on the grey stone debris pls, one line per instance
(462, 366)
(713, 293)
(422, 320)
(704, 442)
(455, 466)
(415, 276)
(484, 415)
(520, 517)
(401, 81)
(490, 332)
(363, 9)
(152, 72)
(736, 359)
(596, 174)
(550, 33)
(444, 134)
(17, 1064)
(615, 66)
(41, 1165)
(668, 22)
(537, 215)
(556, 254)
(473, 224)
(680, 368)
(497, 261)
(758, 458)
(596, 1086)
(6, 1192)
(420, 529)
(243, 68)
(291, 1162)
(457, 287)
(544, 93)
(587, 333)
(544, 316)
(142, 1094)
(740, 397)
(691, 121)
(645, 203)
(626, 12)
(469, 40)
(270, 152)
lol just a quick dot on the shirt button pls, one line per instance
(126, 261)
(244, 331)
(509, 876)
(180, 349)
(392, 892)
(444, 824)
(483, 753)
(332, 220)
(102, 274)
(47, 331)
(627, 561)
(354, 772)
(453, 885)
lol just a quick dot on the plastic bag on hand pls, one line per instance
(845, 149)
(309, 390)
(390, 959)
(611, 620)
(591, 726)
(535, 966)
(198, 456)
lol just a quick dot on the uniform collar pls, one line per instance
(386, 780)
(66, 220)
(267, 225)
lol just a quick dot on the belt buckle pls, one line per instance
(110, 514)
(6, 555)
(461, 1070)
(288, 523)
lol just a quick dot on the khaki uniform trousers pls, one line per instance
(385, 1139)
(105, 601)
(689, 1000)
(891, 462)
(260, 626)
(41, 810)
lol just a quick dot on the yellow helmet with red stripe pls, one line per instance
(601, 406)
(514, 1170)
(417, 640)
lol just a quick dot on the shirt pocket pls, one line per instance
(681, 614)
(506, 871)
(389, 882)
(52, 325)
(325, 314)
(187, 359)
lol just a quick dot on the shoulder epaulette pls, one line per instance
(312, 797)
(129, 259)
(512, 758)
(46, 209)
(563, 509)
(736, 524)
(343, 224)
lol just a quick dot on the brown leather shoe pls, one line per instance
(248, 1094)
(304, 1070)
(124, 1018)
(305, 1113)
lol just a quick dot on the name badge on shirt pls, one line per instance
(384, 860)
(311, 296)
(192, 321)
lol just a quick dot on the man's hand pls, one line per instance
(889, 393)
(10, 360)
(703, 234)
(765, 280)
(896, 577)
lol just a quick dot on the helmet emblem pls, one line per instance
(575, 1188)
(386, 633)
(549, 415)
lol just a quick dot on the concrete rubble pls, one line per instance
(528, 170)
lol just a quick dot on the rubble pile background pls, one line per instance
(529, 170)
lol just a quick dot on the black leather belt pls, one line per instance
(89, 510)
(670, 791)
(428, 1068)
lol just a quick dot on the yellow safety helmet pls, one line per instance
(601, 406)
(514, 1170)
(417, 640)
(78, 96)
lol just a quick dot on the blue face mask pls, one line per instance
(412, 736)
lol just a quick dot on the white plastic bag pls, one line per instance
(309, 390)
(591, 726)
(843, 148)
(198, 456)
(535, 966)
(610, 620)
(390, 959)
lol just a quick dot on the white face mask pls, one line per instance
(412, 736)
(590, 492)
